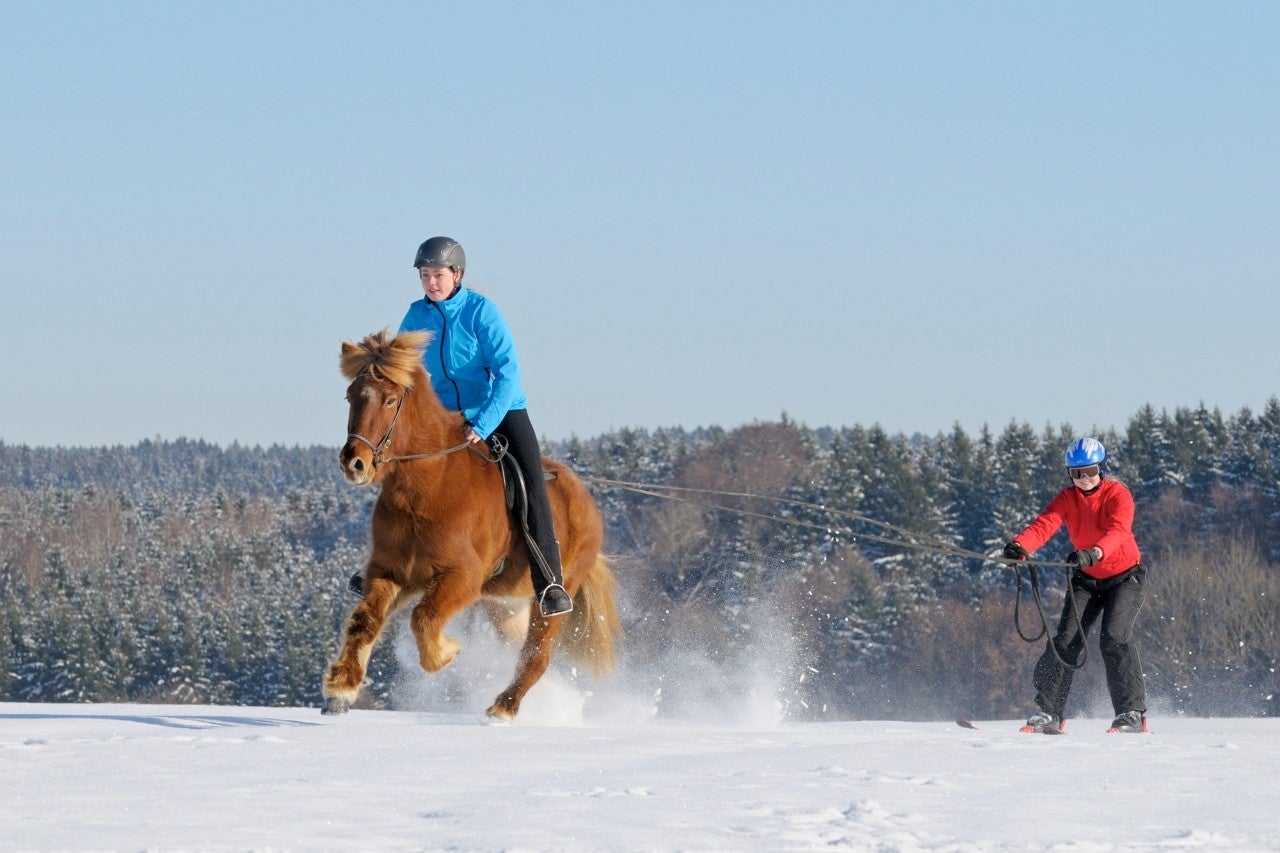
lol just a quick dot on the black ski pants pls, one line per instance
(1117, 600)
(522, 446)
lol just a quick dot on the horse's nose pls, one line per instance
(352, 465)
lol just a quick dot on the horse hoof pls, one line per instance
(499, 715)
(335, 705)
(437, 658)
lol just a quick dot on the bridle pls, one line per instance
(380, 449)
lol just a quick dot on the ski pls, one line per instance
(1129, 729)
(964, 723)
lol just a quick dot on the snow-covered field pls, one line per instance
(134, 777)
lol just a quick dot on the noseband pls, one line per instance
(379, 449)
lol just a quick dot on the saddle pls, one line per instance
(517, 500)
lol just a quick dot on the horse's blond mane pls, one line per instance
(393, 358)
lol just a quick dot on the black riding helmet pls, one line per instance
(441, 252)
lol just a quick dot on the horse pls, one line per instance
(442, 535)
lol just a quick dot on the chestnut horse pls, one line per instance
(442, 535)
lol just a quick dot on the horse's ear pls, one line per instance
(347, 362)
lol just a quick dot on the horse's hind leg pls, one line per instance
(345, 675)
(509, 617)
(535, 656)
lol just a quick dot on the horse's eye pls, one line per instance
(391, 401)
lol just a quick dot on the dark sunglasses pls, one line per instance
(1087, 471)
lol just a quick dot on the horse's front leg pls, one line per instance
(449, 595)
(345, 675)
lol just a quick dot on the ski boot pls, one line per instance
(1044, 723)
(1130, 722)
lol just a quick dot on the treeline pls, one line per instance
(819, 563)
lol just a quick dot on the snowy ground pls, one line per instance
(134, 777)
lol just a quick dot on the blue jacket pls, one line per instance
(471, 358)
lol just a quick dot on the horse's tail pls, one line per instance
(593, 623)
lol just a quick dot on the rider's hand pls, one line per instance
(472, 436)
(1083, 558)
(1015, 551)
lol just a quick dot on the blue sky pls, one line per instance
(911, 214)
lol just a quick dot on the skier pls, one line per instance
(1107, 582)
(472, 362)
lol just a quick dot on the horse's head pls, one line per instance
(382, 370)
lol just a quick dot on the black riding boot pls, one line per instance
(544, 566)
(553, 598)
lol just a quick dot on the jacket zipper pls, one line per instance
(444, 367)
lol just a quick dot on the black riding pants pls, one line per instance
(1117, 601)
(522, 446)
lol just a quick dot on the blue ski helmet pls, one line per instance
(1084, 452)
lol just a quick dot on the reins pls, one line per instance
(497, 451)
(902, 538)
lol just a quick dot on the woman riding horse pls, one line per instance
(472, 362)
(441, 532)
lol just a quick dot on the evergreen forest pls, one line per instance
(828, 567)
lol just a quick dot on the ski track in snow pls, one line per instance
(131, 777)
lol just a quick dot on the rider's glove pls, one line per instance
(1015, 551)
(1083, 558)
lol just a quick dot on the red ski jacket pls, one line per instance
(1104, 517)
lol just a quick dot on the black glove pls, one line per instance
(1082, 559)
(1015, 551)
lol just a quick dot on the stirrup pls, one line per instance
(554, 601)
